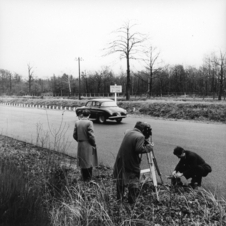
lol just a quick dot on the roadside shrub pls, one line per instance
(57, 181)
(20, 204)
(83, 204)
(94, 204)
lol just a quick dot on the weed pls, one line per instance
(20, 204)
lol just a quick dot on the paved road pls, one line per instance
(54, 128)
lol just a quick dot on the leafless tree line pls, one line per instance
(152, 80)
(204, 81)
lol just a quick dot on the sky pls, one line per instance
(49, 35)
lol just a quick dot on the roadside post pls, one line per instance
(115, 89)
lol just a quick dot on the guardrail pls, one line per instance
(40, 106)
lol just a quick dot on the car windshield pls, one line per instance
(109, 104)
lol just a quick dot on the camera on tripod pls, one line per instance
(147, 131)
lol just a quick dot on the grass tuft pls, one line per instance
(20, 203)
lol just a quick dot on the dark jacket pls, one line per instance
(128, 159)
(190, 162)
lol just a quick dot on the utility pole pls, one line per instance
(79, 85)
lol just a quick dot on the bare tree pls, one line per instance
(6, 81)
(10, 83)
(67, 79)
(128, 44)
(150, 60)
(210, 74)
(30, 77)
(218, 67)
(221, 62)
(85, 81)
(2, 74)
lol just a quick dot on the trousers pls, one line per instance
(132, 182)
(87, 173)
(196, 173)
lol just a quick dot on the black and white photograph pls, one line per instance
(112, 113)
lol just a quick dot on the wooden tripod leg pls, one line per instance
(152, 172)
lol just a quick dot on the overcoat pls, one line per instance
(128, 159)
(84, 135)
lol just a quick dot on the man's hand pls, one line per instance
(178, 174)
(149, 147)
(174, 173)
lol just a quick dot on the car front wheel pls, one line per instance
(102, 119)
(118, 120)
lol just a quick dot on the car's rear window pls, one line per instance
(109, 104)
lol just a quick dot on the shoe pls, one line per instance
(194, 185)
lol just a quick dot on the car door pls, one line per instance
(95, 109)
(92, 110)
(89, 105)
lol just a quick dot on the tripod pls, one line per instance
(153, 166)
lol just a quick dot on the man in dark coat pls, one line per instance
(87, 154)
(191, 165)
(127, 165)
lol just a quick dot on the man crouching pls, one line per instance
(191, 165)
(127, 165)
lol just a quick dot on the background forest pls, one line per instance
(208, 80)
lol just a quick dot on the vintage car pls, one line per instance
(102, 110)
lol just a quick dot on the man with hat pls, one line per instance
(127, 165)
(191, 165)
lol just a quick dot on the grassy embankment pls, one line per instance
(38, 190)
(172, 109)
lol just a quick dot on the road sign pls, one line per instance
(115, 89)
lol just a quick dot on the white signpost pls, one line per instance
(115, 89)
